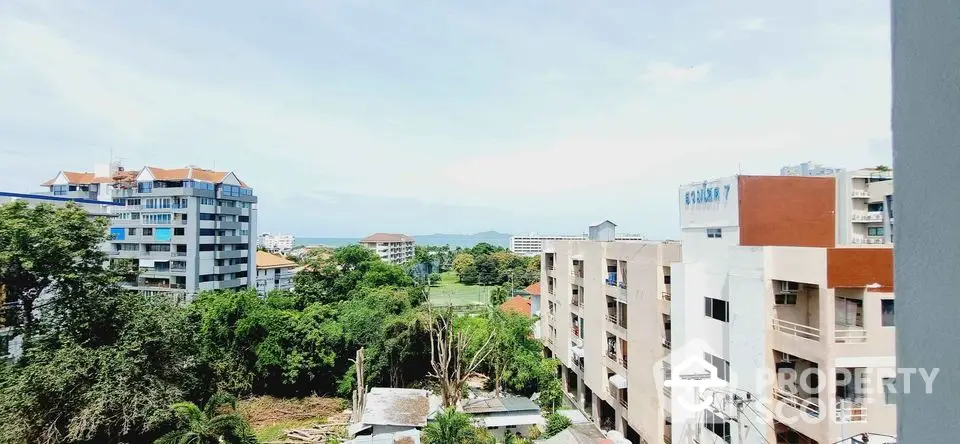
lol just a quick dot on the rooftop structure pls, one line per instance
(391, 247)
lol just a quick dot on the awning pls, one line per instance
(513, 420)
(618, 381)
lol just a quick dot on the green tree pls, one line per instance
(556, 423)
(461, 263)
(450, 427)
(47, 250)
(498, 295)
(212, 425)
(102, 374)
(487, 271)
(435, 279)
(483, 249)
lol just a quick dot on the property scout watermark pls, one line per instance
(804, 392)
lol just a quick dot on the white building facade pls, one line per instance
(532, 244)
(274, 272)
(391, 247)
(798, 330)
(276, 243)
(605, 316)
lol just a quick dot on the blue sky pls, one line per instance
(349, 117)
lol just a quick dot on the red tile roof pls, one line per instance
(533, 289)
(518, 304)
(387, 237)
(75, 178)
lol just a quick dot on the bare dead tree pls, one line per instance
(448, 357)
(360, 394)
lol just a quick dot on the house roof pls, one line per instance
(517, 304)
(533, 289)
(396, 407)
(387, 237)
(499, 405)
(190, 172)
(270, 260)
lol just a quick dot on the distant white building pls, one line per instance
(274, 272)
(391, 247)
(277, 243)
(532, 244)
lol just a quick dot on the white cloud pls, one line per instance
(752, 24)
(664, 72)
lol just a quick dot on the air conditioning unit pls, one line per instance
(787, 287)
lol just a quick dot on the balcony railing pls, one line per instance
(666, 343)
(795, 329)
(623, 361)
(665, 295)
(805, 406)
(860, 194)
(851, 411)
(868, 216)
(623, 402)
(667, 391)
(847, 335)
(575, 302)
(613, 318)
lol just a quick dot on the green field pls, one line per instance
(452, 292)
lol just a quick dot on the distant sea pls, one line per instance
(453, 240)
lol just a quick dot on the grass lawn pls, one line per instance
(452, 292)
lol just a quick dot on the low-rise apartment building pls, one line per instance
(186, 229)
(274, 272)
(605, 315)
(532, 244)
(391, 247)
(276, 243)
(797, 329)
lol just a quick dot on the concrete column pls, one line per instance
(926, 158)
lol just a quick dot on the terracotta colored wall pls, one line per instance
(787, 211)
(859, 267)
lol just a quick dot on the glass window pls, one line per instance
(132, 231)
(148, 231)
(178, 231)
(886, 312)
(208, 216)
(717, 425)
(785, 299)
(714, 233)
(875, 206)
(59, 190)
(144, 187)
(716, 309)
(874, 231)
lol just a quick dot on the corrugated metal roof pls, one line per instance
(404, 437)
(394, 406)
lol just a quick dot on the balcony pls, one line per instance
(666, 343)
(850, 411)
(860, 194)
(613, 321)
(575, 337)
(867, 216)
(665, 295)
(804, 406)
(623, 401)
(799, 330)
(850, 335)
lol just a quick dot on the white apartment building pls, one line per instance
(605, 315)
(763, 292)
(186, 229)
(274, 272)
(391, 247)
(276, 243)
(532, 244)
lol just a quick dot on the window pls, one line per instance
(145, 187)
(178, 231)
(207, 201)
(722, 366)
(132, 231)
(244, 232)
(162, 202)
(207, 232)
(890, 391)
(208, 216)
(227, 203)
(716, 308)
(148, 231)
(786, 299)
(157, 219)
(886, 313)
(59, 190)
(717, 425)
(133, 202)
(244, 218)
(714, 233)
(118, 234)
(206, 247)
(201, 185)
(874, 231)
(666, 279)
(207, 277)
(875, 206)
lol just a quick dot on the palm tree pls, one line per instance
(209, 426)
(450, 427)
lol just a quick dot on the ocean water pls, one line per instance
(465, 241)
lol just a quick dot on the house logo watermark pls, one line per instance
(685, 376)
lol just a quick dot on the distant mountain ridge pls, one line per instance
(453, 240)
